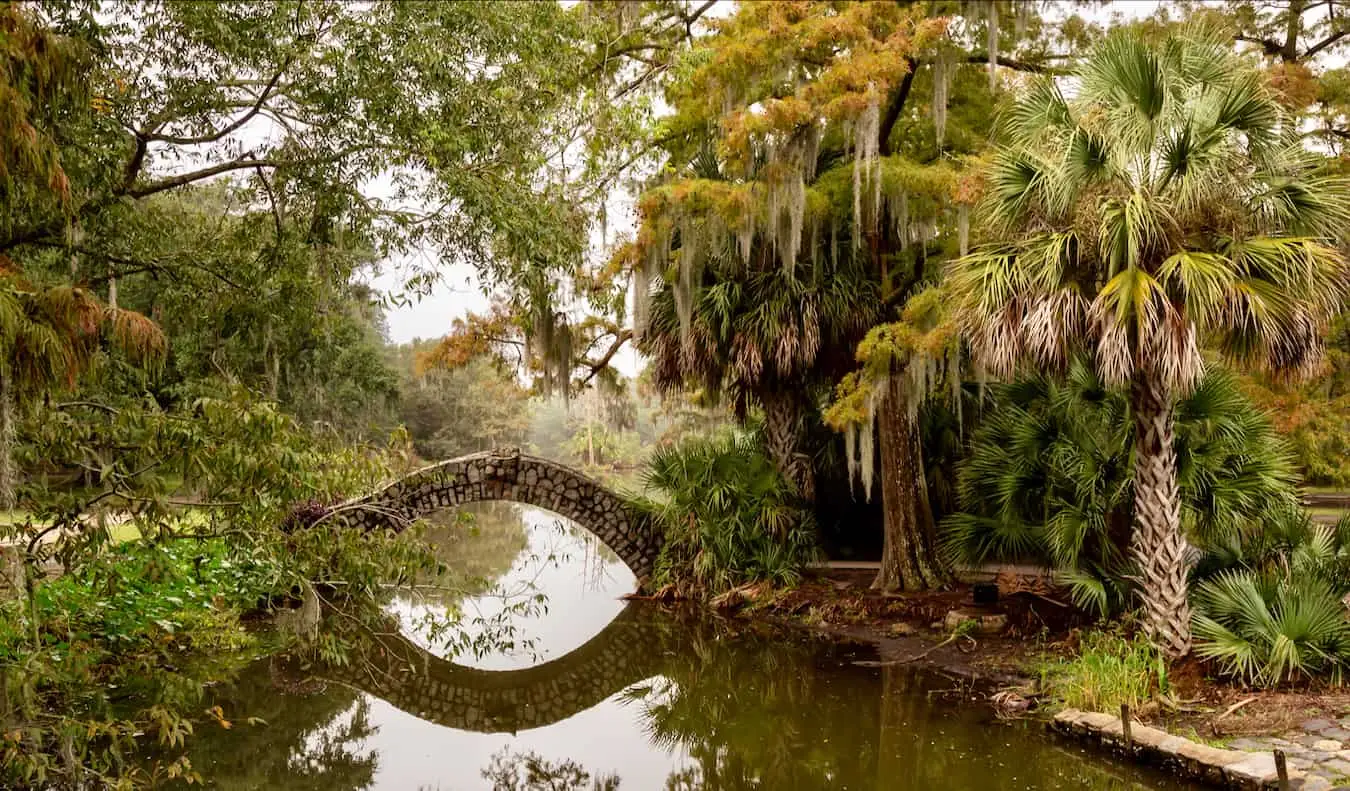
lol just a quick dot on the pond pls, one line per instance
(568, 687)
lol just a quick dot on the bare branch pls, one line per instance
(146, 136)
(603, 363)
(1324, 43)
(184, 179)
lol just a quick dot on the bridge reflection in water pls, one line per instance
(659, 699)
(630, 649)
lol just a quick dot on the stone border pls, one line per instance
(1212, 765)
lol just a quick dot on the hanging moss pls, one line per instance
(866, 153)
(6, 440)
(963, 226)
(942, 75)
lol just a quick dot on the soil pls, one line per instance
(1041, 626)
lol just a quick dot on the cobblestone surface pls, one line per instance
(1319, 765)
(1318, 747)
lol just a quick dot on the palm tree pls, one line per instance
(765, 338)
(1163, 204)
(1047, 478)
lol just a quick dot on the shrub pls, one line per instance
(728, 516)
(1266, 628)
(1048, 478)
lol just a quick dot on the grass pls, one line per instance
(1109, 670)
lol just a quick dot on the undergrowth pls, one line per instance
(1108, 670)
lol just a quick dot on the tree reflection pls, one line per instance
(757, 712)
(527, 771)
(303, 737)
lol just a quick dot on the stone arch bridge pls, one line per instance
(512, 475)
(632, 648)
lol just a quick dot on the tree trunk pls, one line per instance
(908, 559)
(1158, 546)
(782, 438)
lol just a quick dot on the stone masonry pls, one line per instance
(630, 649)
(511, 475)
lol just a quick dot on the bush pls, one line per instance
(728, 516)
(1265, 629)
(1268, 600)
(1048, 478)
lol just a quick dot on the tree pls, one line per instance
(470, 408)
(829, 126)
(1168, 204)
(766, 338)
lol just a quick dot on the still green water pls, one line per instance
(589, 693)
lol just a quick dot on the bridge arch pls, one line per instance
(410, 678)
(511, 475)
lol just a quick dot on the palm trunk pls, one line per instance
(782, 438)
(1158, 546)
(908, 559)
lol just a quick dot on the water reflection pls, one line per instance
(625, 698)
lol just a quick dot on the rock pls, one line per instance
(1327, 745)
(985, 623)
(1254, 770)
(1312, 726)
(1250, 745)
(901, 628)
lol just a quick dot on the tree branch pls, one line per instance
(895, 106)
(137, 265)
(603, 363)
(184, 179)
(133, 167)
(1016, 65)
(1269, 47)
(1324, 43)
(219, 133)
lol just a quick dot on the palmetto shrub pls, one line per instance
(729, 516)
(1268, 600)
(1049, 476)
(1265, 628)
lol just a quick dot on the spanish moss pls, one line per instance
(963, 227)
(6, 441)
(942, 74)
(866, 166)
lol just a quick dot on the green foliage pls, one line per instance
(1101, 212)
(1109, 670)
(1048, 478)
(1269, 600)
(472, 407)
(529, 771)
(1266, 628)
(118, 649)
(728, 515)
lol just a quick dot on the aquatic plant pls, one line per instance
(1108, 670)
